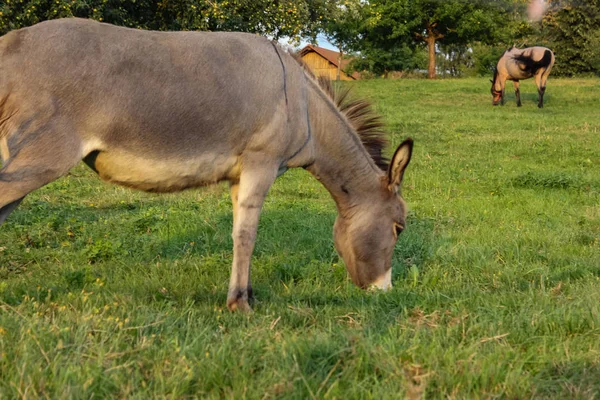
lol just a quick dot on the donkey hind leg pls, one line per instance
(540, 82)
(541, 92)
(38, 159)
(247, 197)
(517, 93)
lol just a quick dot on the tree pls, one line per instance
(393, 24)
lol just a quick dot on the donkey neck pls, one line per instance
(341, 162)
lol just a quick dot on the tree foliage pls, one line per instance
(393, 24)
(389, 35)
(381, 62)
(572, 31)
(342, 25)
(279, 18)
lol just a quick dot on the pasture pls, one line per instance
(111, 293)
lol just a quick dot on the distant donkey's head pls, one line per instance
(365, 236)
(496, 92)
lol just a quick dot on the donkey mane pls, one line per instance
(359, 112)
(365, 121)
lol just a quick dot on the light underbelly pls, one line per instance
(163, 175)
(517, 74)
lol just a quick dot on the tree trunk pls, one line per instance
(431, 47)
(432, 36)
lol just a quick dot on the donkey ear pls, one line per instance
(399, 163)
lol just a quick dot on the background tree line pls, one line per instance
(448, 37)
(459, 37)
(284, 18)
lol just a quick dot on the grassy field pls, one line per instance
(110, 293)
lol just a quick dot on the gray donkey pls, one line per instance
(516, 64)
(163, 112)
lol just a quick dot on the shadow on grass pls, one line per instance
(528, 98)
(552, 180)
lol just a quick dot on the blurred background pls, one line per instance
(364, 39)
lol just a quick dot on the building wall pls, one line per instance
(322, 67)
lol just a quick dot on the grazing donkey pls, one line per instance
(516, 64)
(163, 112)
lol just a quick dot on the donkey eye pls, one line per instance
(397, 229)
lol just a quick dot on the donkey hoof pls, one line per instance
(238, 301)
(239, 306)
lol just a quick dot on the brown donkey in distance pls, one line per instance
(167, 111)
(516, 64)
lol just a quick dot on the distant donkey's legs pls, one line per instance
(33, 160)
(247, 197)
(540, 81)
(517, 93)
(503, 86)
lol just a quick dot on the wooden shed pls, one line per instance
(324, 62)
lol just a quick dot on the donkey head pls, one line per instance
(496, 94)
(366, 237)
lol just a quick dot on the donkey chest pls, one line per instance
(162, 175)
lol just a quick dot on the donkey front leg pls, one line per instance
(10, 207)
(517, 93)
(247, 196)
(32, 160)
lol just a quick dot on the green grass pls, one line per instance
(110, 293)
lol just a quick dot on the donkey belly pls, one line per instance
(162, 175)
